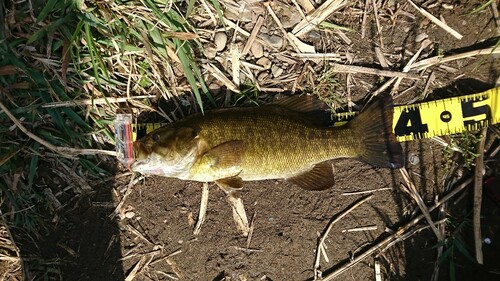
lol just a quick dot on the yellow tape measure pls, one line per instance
(447, 116)
(421, 120)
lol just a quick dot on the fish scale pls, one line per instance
(275, 145)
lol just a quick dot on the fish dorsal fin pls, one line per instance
(225, 155)
(230, 184)
(301, 103)
(319, 177)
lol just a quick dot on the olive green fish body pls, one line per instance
(277, 143)
(267, 142)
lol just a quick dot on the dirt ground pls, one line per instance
(151, 237)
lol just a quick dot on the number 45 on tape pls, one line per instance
(447, 116)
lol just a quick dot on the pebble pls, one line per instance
(413, 159)
(273, 40)
(220, 41)
(214, 88)
(264, 62)
(129, 215)
(262, 76)
(257, 49)
(276, 70)
(210, 52)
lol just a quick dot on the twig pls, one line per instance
(366, 191)
(414, 193)
(377, 22)
(298, 45)
(363, 23)
(319, 15)
(410, 234)
(368, 70)
(396, 234)
(405, 69)
(322, 56)
(250, 231)
(364, 228)
(68, 152)
(73, 103)
(235, 64)
(253, 36)
(329, 228)
(423, 64)
(478, 194)
(378, 274)
(118, 208)
(203, 208)
(217, 73)
(496, 16)
(381, 58)
(436, 21)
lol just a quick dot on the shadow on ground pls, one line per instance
(77, 238)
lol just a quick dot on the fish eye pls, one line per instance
(155, 137)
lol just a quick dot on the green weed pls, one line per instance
(330, 90)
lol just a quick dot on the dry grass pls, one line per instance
(66, 69)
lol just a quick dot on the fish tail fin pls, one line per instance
(379, 146)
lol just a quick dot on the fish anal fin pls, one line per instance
(319, 177)
(225, 155)
(230, 184)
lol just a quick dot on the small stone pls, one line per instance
(214, 88)
(274, 40)
(220, 41)
(447, 6)
(264, 62)
(262, 76)
(257, 49)
(129, 215)
(210, 52)
(276, 70)
(413, 159)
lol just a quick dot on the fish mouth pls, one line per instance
(139, 165)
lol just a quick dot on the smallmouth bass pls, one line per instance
(282, 140)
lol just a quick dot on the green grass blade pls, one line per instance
(49, 7)
(453, 275)
(480, 8)
(33, 164)
(189, 9)
(188, 72)
(461, 247)
(217, 7)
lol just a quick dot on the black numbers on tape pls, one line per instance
(470, 110)
(445, 116)
(410, 123)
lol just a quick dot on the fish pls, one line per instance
(290, 139)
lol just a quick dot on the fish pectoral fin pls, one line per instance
(225, 155)
(319, 177)
(231, 184)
